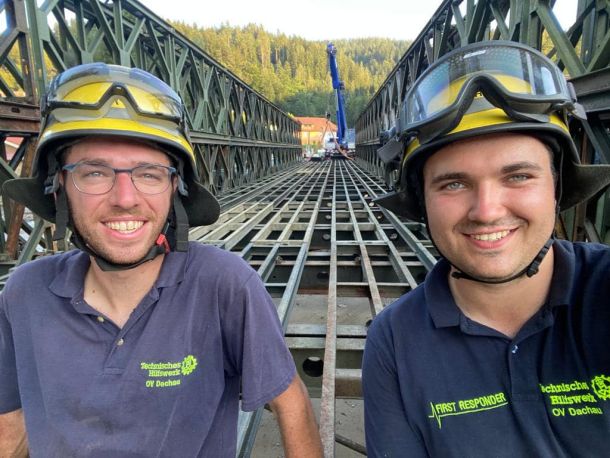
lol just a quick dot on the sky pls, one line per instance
(318, 19)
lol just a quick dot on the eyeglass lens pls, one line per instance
(92, 178)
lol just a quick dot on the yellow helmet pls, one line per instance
(110, 100)
(483, 88)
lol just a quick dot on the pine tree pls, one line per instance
(293, 72)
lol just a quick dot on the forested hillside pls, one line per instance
(293, 72)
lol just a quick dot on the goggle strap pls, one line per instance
(62, 216)
(51, 183)
(182, 224)
(579, 111)
(526, 117)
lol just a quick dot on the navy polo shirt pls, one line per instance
(167, 384)
(439, 384)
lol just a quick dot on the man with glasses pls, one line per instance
(503, 350)
(139, 343)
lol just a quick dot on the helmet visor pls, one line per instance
(90, 87)
(525, 79)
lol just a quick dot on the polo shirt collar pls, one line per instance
(173, 269)
(564, 268)
(69, 281)
(441, 305)
(445, 312)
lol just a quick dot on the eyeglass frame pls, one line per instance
(71, 167)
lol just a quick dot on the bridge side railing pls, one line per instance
(583, 51)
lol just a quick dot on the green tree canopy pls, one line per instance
(293, 72)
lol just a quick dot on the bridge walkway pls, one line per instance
(331, 259)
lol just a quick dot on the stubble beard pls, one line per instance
(116, 255)
(471, 270)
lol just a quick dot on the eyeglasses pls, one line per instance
(96, 179)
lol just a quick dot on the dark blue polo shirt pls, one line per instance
(439, 384)
(167, 384)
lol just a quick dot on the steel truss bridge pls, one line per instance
(329, 257)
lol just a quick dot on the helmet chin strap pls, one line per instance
(178, 237)
(530, 270)
(161, 246)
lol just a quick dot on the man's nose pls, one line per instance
(487, 204)
(123, 193)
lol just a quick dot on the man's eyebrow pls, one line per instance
(510, 168)
(451, 176)
(523, 165)
(95, 160)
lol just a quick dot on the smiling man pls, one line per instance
(139, 343)
(502, 351)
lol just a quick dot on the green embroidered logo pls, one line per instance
(466, 406)
(169, 373)
(189, 364)
(601, 387)
(576, 398)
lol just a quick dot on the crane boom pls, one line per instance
(338, 87)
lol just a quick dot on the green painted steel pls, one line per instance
(62, 34)
(239, 135)
(583, 51)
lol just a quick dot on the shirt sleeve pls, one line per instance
(387, 430)
(9, 390)
(257, 346)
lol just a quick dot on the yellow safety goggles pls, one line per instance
(516, 78)
(88, 88)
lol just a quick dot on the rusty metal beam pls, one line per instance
(19, 118)
(16, 215)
